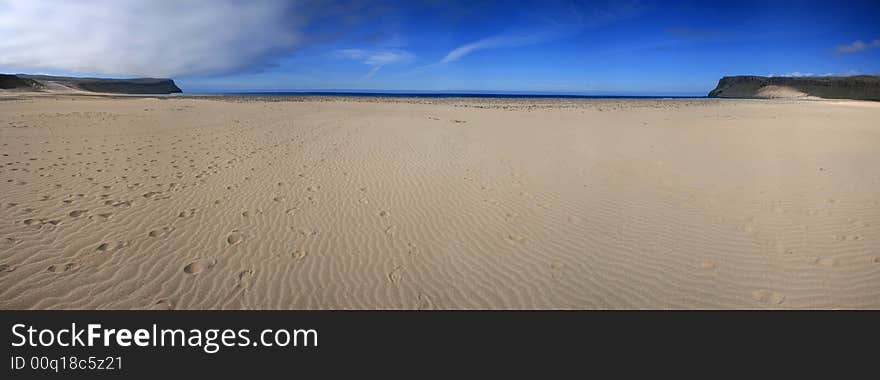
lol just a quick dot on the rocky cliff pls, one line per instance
(102, 85)
(863, 87)
(14, 82)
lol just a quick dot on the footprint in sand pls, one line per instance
(390, 230)
(198, 266)
(557, 270)
(411, 249)
(61, 268)
(109, 247)
(768, 297)
(424, 302)
(234, 237)
(162, 304)
(245, 278)
(160, 232)
(186, 213)
(516, 239)
(77, 213)
(305, 232)
(299, 255)
(9, 242)
(151, 193)
(396, 275)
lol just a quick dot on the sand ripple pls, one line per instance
(207, 204)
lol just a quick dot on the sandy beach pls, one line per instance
(377, 203)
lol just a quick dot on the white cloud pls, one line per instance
(376, 58)
(800, 74)
(499, 41)
(857, 46)
(149, 38)
(566, 19)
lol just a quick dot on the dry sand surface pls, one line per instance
(326, 203)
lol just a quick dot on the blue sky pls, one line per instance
(593, 47)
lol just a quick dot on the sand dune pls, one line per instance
(781, 92)
(318, 203)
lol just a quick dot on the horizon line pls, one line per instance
(453, 92)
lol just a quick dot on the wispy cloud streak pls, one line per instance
(499, 41)
(376, 58)
(566, 19)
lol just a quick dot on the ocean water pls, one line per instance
(442, 95)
